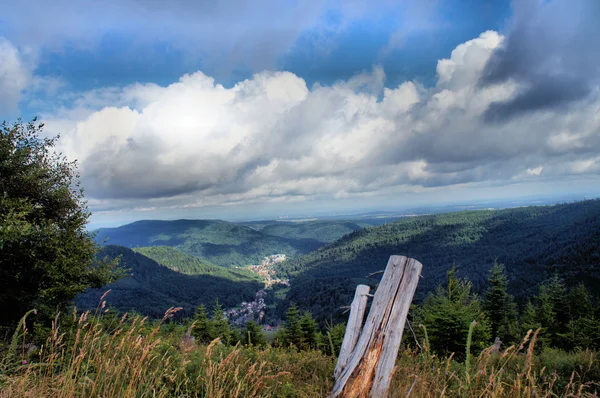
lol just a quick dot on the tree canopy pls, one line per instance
(46, 254)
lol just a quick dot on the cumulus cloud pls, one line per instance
(15, 76)
(552, 52)
(272, 138)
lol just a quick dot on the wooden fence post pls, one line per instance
(368, 370)
(353, 328)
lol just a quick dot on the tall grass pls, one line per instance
(132, 357)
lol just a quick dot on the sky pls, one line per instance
(246, 110)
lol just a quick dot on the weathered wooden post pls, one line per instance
(367, 371)
(353, 328)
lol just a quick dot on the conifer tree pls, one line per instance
(447, 315)
(499, 306)
(292, 332)
(252, 334)
(529, 319)
(203, 330)
(308, 328)
(220, 324)
(552, 312)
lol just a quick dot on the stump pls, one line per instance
(366, 361)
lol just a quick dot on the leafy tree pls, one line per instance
(447, 315)
(252, 334)
(203, 330)
(499, 306)
(46, 255)
(220, 324)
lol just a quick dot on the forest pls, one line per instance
(533, 243)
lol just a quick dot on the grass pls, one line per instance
(86, 356)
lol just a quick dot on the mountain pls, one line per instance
(319, 231)
(185, 263)
(220, 242)
(533, 243)
(152, 288)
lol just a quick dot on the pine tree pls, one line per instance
(583, 329)
(308, 328)
(292, 333)
(553, 312)
(447, 315)
(499, 306)
(252, 334)
(203, 330)
(529, 319)
(220, 324)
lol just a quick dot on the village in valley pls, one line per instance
(255, 310)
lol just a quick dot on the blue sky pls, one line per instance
(204, 108)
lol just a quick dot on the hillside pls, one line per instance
(320, 231)
(152, 288)
(220, 242)
(184, 263)
(533, 243)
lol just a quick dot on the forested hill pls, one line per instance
(319, 231)
(152, 288)
(220, 242)
(191, 265)
(533, 243)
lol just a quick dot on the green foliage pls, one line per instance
(203, 330)
(291, 332)
(567, 316)
(185, 263)
(152, 288)
(220, 242)
(500, 307)
(532, 242)
(321, 232)
(45, 252)
(220, 325)
(252, 334)
(448, 313)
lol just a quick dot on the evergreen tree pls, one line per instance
(583, 329)
(252, 334)
(203, 330)
(580, 302)
(553, 312)
(529, 319)
(499, 306)
(220, 324)
(292, 332)
(308, 328)
(447, 315)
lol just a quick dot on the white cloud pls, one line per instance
(15, 76)
(271, 138)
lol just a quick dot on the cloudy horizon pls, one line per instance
(204, 109)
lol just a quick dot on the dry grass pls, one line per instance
(135, 359)
(515, 372)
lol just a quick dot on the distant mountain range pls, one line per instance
(186, 262)
(220, 242)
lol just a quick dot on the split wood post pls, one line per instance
(353, 328)
(369, 369)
